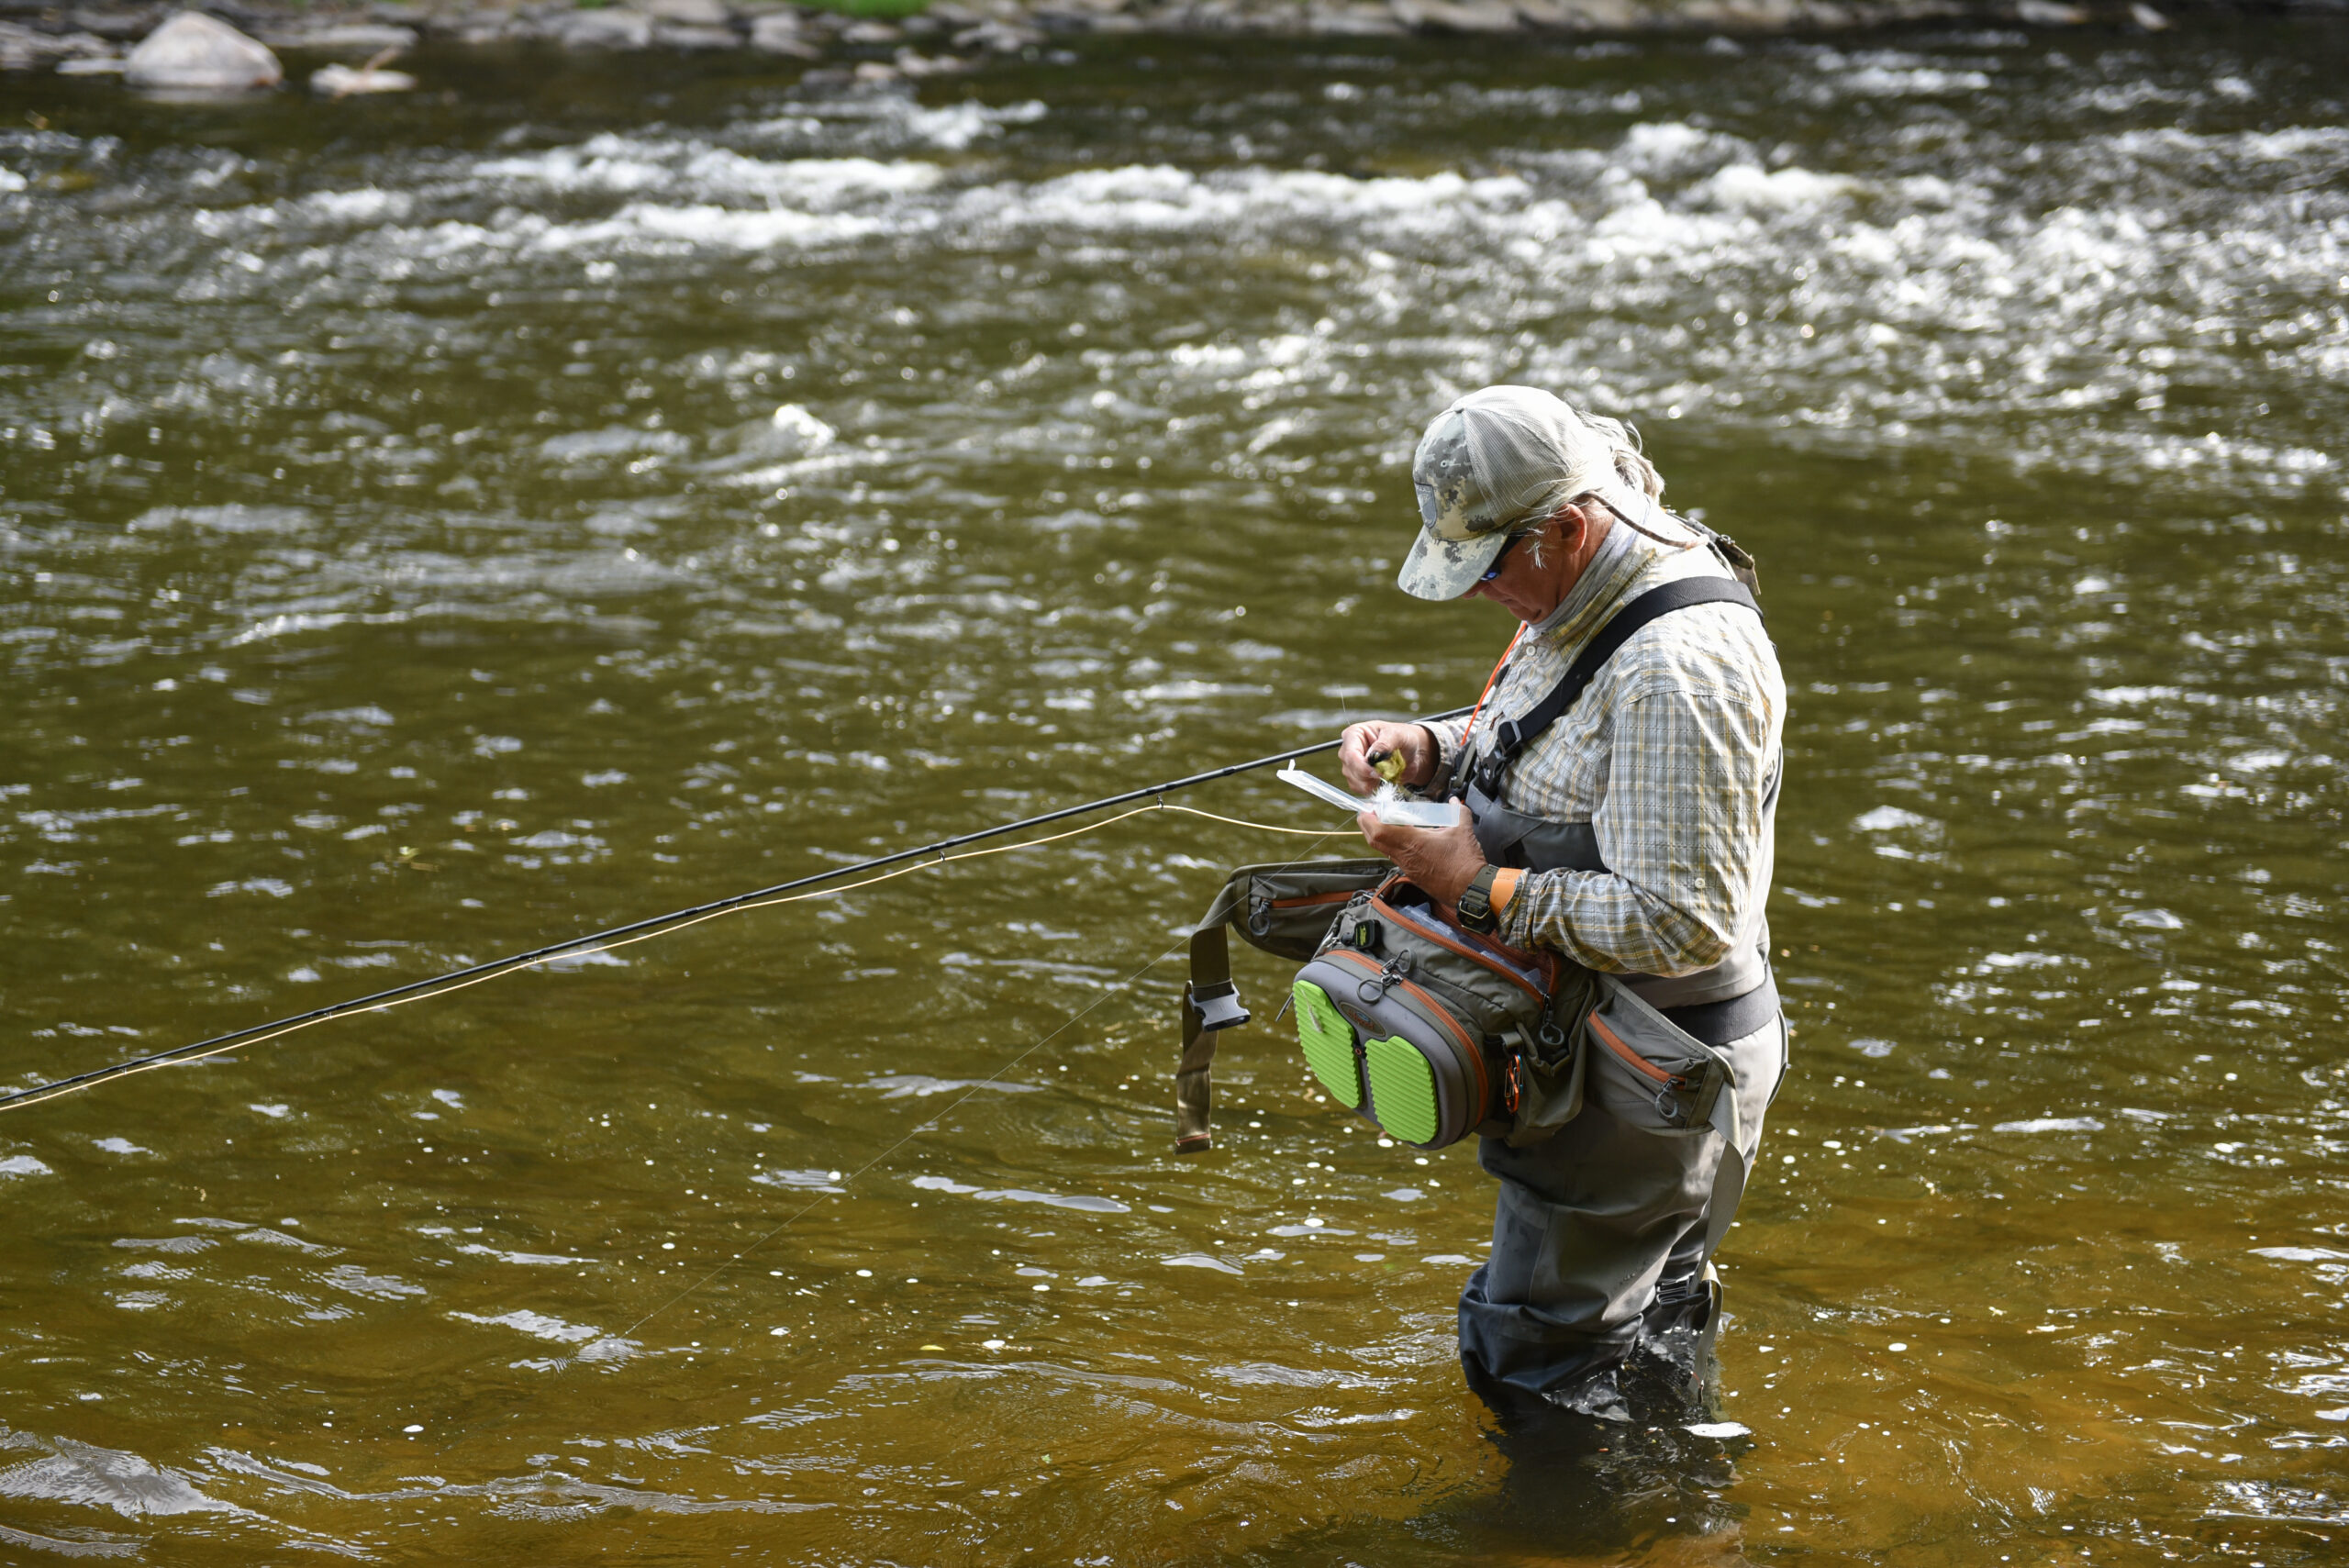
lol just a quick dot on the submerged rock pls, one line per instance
(195, 53)
(343, 80)
(361, 38)
(998, 38)
(912, 64)
(778, 33)
(29, 48)
(1359, 21)
(606, 30)
(1457, 16)
(671, 35)
(110, 23)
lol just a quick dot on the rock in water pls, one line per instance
(1448, 17)
(606, 30)
(777, 32)
(194, 53)
(689, 13)
(342, 82)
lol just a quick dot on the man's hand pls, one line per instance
(1440, 862)
(1412, 742)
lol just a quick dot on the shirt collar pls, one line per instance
(1623, 555)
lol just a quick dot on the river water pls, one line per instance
(433, 526)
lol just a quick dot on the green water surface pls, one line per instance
(432, 527)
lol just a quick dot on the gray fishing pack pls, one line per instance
(1434, 1031)
(1407, 1018)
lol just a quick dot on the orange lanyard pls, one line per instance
(1490, 681)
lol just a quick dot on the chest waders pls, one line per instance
(1434, 1032)
(1663, 1036)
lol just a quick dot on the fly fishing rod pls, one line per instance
(635, 931)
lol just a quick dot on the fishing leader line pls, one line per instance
(676, 920)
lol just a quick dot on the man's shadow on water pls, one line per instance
(1610, 1472)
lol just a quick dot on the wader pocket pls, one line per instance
(1549, 1072)
(1649, 1072)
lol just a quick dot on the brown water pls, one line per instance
(405, 563)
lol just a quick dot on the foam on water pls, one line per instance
(1902, 276)
(613, 163)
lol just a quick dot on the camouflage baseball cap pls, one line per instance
(1495, 459)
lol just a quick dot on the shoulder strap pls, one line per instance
(1210, 1003)
(1211, 1000)
(1511, 736)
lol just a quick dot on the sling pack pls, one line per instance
(1294, 912)
(1434, 1031)
(1428, 1029)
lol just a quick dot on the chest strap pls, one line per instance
(1512, 736)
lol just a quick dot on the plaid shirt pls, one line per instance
(1669, 755)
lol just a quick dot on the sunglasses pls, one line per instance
(1494, 570)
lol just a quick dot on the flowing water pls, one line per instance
(434, 527)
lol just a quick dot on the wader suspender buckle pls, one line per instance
(1511, 736)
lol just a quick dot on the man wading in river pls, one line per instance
(1631, 835)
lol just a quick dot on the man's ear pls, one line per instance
(1574, 526)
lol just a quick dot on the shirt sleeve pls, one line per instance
(1681, 830)
(1448, 733)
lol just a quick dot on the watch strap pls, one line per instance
(1476, 902)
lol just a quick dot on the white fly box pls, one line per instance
(1388, 804)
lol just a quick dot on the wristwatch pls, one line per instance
(1476, 910)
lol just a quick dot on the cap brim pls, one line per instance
(1447, 568)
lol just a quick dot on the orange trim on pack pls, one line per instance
(1616, 1044)
(1469, 953)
